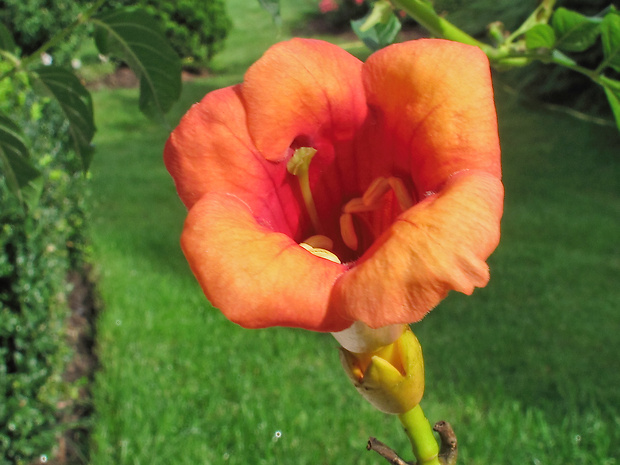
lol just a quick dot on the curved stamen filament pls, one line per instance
(371, 201)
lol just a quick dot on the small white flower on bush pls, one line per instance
(46, 59)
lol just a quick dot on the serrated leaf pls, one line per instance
(612, 91)
(6, 39)
(574, 31)
(76, 104)
(540, 36)
(379, 35)
(135, 37)
(610, 31)
(14, 156)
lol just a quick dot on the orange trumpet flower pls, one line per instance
(403, 187)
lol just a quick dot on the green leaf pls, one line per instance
(14, 156)
(540, 36)
(378, 29)
(135, 37)
(6, 39)
(76, 104)
(575, 32)
(612, 91)
(610, 29)
(273, 7)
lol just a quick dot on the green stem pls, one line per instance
(420, 433)
(425, 15)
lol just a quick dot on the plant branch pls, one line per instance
(447, 453)
(449, 445)
(386, 452)
(425, 15)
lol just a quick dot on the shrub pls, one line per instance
(195, 28)
(39, 243)
(33, 22)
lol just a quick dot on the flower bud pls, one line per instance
(391, 378)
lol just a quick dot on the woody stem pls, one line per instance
(420, 434)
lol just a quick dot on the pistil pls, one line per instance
(299, 165)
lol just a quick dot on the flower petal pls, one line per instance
(211, 151)
(433, 104)
(256, 277)
(438, 245)
(303, 87)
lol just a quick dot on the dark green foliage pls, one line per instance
(33, 22)
(135, 36)
(544, 83)
(196, 29)
(41, 240)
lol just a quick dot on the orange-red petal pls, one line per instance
(211, 151)
(438, 245)
(303, 87)
(433, 101)
(256, 277)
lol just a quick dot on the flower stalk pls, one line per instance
(420, 434)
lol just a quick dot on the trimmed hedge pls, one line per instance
(40, 242)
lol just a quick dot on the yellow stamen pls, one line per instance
(320, 252)
(319, 242)
(370, 201)
(377, 189)
(357, 205)
(405, 202)
(347, 231)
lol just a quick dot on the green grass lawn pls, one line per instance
(526, 370)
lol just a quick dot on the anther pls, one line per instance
(319, 242)
(370, 201)
(318, 251)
